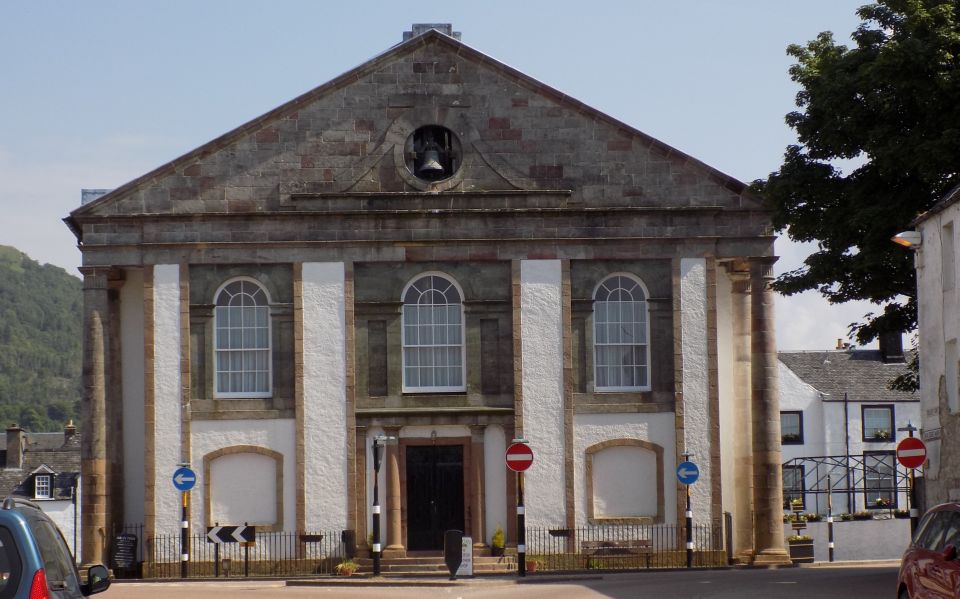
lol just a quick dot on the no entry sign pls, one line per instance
(911, 452)
(519, 457)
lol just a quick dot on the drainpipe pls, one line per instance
(846, 441)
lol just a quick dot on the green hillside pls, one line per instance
(40, 334)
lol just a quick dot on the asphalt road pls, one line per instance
(788, 583)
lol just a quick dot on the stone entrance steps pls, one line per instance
(433, 565)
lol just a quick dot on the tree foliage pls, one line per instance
(40, 335)
(890, 107)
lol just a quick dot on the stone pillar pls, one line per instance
(394, 546)
(742, 424)
(477, 508)
(765, 407)
(93, 453)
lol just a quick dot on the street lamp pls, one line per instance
(378, 443)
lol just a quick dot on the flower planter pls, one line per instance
(801, 552)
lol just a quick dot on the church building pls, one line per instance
(437, 249)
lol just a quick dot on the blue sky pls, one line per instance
(95, 93)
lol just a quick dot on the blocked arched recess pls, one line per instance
(234, 450)
(592, 451)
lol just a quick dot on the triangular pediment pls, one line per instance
(351, 136)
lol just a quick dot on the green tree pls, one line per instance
(889, 109)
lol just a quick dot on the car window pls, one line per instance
(57, 563)
(932, 533)
(10, 565)
(951, 534)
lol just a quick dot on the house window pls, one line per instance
(243, 353)
(791, 428)
(793, 486)
(877, 423)
(42, 486)
(880, 480)
(620, 336)
(433, 336)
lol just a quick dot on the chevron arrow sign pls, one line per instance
(231, 534)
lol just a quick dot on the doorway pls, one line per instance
(434, 494)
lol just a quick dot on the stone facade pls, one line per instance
(534, 201)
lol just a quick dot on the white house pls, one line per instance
(835, 404)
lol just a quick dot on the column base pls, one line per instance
(395, 552)
(772, 557)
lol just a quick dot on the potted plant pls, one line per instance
(801, 549)
(534, 564)
(862, 516)
(881, 435)
(796, 505)
(346, 567)
(901, 513)
(813, 517)
(496, 542)
(882, 502)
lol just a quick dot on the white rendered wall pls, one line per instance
(725, 390)
(243, 490)
(131, 368)
(937, 325)
(62, 513)
(542, 355)
(696, 409)
(796, 395)
(167, 429)
(277, 435)
(324, 396)
(495, 479)
(659, 429)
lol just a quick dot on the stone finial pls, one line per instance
(420, 28)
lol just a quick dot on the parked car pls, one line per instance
(34, 560)
(929, 567)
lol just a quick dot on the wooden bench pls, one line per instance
(604, 550)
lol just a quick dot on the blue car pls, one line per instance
(34, 560)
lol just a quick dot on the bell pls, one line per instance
(431, 162)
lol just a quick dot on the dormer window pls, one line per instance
(433, 153)
(42, 486)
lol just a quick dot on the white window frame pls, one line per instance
(404, 346)
(646, 341)
(37, 486)
(217, 393)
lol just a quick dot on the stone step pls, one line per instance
(436, 566)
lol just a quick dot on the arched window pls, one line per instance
(432, 335)
(620, 335)
(242, 344)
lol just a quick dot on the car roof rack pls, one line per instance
(11, 502)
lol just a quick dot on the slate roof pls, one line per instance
(860, 373)
(43, 449)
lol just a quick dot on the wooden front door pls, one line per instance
(434, 494)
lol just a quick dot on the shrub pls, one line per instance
(862, 516)
(497, 540)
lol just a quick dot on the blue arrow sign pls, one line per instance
(687, 473)
(184, 479)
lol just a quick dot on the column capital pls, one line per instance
(477, 431)
(762, 266)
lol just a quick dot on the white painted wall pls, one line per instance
(131, 368)
(245, 492)
(696, 411)
(938, 326)
(725, 390)
(167, 426)
(859, 540)
(542, 383)
(659, 428)
(62, 513)
(324, 396)
(495, 479)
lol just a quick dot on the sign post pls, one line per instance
(687, 474)
(183, 480)
(912, 453)
(519, 457)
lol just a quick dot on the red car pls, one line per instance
(930, 568)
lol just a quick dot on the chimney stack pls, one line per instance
(891, 347)
(69, 432)
(15, 443)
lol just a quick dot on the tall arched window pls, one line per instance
(433, 335)
(242, 340)
(620, 335)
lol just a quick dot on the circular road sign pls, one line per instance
(687, 473)
(519, 457)
(184, 479)
(911, 452)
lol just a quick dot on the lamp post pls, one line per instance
(378, 443)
